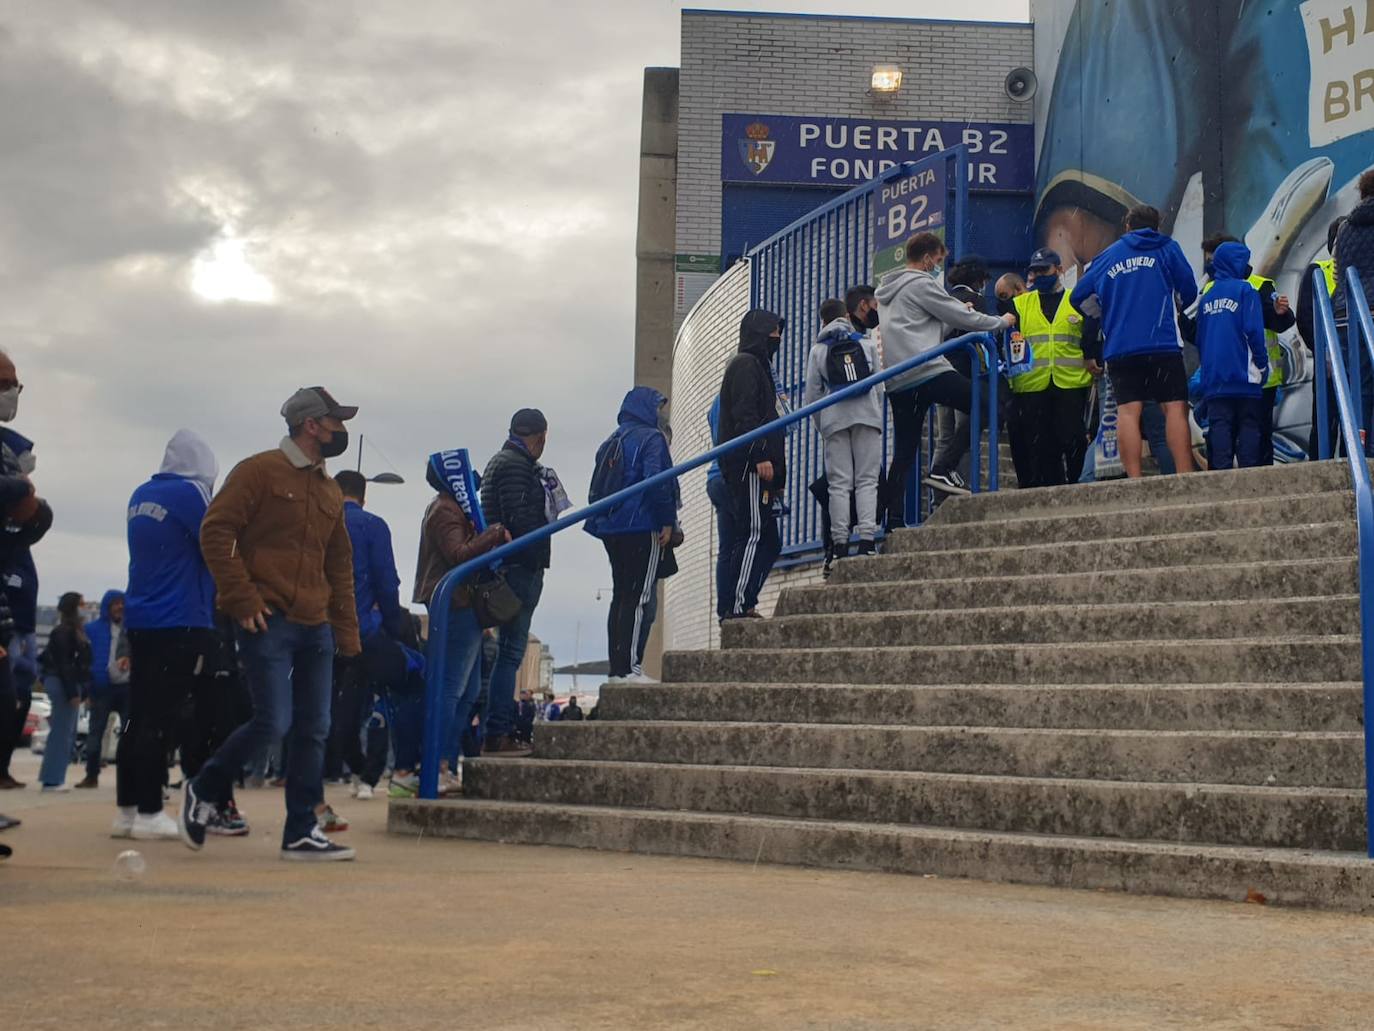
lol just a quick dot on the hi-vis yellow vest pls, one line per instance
(1056, 348)
(1271, 339)
(1328, 268)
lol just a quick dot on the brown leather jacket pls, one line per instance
(274, 537)
(446, 541)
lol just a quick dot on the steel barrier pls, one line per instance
(441, 604)
(1346, 384)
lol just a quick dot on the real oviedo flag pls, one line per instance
(451, 472)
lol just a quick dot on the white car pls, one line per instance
(39, 742)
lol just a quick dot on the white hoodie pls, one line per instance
(188, 455)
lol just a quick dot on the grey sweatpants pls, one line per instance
(853, 460)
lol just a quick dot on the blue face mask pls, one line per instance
(1046, 284)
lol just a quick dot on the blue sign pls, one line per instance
(452, 471)
(798, 150)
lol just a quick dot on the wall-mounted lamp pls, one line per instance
(886, 81)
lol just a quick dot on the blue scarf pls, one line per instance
(451, 473)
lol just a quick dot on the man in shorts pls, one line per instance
(1138, 284)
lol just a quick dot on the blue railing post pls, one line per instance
(441, 604)
(1341, 380)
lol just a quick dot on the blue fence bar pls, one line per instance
(441, 604)
(821, 256)
(1341, 379)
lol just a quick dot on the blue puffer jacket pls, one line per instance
(1133, 284)
(98, 633)
(1230, 329)
(646, 453)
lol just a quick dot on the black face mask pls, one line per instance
(774, 343)
(336, 445)
(871, 319)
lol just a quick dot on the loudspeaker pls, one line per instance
(1021, 85)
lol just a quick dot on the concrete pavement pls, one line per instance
(428, 933)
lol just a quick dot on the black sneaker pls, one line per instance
(867, 548)
(315, 848)
(947, 483)
(194, 817)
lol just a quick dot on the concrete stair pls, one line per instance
(1148, 686)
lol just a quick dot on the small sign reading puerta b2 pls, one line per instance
(910, 202)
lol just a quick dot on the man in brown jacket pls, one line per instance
(275, 541)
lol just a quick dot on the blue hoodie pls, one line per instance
(646, 454)
(98, 632)
(375, 583)
(169, 584)
(1230, 329)
(1133, 283)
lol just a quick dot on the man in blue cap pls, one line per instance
(1053, 357)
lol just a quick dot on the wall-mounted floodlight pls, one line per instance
(886, 81)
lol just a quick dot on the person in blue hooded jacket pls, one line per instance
(171, 596)
(109, 679)
(1235, 361)
(635, 531)
(1137, 286)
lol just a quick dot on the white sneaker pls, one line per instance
(363, 792)
(617, 680)
(639, 678)
(57, 789)
(158, 827)
(123, 826)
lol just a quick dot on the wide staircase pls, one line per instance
(1145, 686)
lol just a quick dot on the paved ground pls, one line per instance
(439, 933)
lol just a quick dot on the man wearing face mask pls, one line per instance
(1053, 356)
(24, 519)
(915, 310)
(755, 475)
(275, 541)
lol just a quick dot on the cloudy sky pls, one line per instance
(426, 205)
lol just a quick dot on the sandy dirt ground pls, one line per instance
(421, 934)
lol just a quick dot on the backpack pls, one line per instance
(608, 475)
(846, 362)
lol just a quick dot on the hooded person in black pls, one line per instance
(754, 474)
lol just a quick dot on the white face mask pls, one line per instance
(9, 404)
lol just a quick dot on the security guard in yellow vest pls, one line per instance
(1307, 307)
(1054, 354)
(1278, 318)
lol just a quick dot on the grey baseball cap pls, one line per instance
(314, 403)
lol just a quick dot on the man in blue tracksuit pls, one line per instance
(109, 679)
(1136, 285)
(635, 531)
(170, 616)
(1235, 362)
(382, 623)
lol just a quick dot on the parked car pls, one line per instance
(39, 711)
(38, 741)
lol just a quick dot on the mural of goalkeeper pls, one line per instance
(1232, 116)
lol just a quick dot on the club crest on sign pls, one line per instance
(757, 151)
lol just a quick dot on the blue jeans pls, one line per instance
(462, 646)
(290, 671)
(727, 532)
(514, 637)
(57, 753)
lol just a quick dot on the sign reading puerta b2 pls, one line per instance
(799, 150)
(910, 202)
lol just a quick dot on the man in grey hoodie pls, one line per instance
(914, 310)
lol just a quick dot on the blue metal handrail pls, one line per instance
(1364, 497)
(441, 603)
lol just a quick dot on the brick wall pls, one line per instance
(821, 66)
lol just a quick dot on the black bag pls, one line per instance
(608, 474)
(494, 602)
(846, 363)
